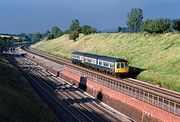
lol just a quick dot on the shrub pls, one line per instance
(73, 35)
(156, 26)
(176, 24)
(86, 29)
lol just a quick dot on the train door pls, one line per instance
(82, 59)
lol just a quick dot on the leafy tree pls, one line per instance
(176, 24)
(156, 26)
(25, 37)
(73, 35)
(75, 26)
(119, 29)
(135, 17)
(37, 37)
(67, 31)
(74, 30)
(47, 33)
(22, 34)
(50, 36)
(56, 32)
(86, 29)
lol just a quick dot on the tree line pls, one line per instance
(7, 41)
(134, 22)
(162, 25)
(74, 30)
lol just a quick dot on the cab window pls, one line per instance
(122, 65)
(118, 65)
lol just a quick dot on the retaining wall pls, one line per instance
(134, 108)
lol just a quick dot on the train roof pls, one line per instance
(77, 53)
(100, 57)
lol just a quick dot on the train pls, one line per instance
(109, 65)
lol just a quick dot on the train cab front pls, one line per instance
(121, 68)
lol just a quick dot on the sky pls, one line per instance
(30, 16)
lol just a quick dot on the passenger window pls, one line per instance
(100, 63)
(111, 66)
(118, 65)
(106, 64)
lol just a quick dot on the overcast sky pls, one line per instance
(31, 16)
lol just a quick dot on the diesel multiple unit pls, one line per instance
(106, 64)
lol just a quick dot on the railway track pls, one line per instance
(160, 97)
(57, 90)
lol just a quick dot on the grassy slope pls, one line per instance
(18, 102)
(159, 55)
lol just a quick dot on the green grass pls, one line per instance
(18, 102)
(158, 54)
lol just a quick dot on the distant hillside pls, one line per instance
(15, 37)
(158, 56)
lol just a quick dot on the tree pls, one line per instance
(67, 31)
(74, 30)
(25, 37)
(135, 17)
(119, 29)
(50, 36)
(75, 25)
(176, 24)
(86, 29)
(56, 32)
(156, 26)
(73, 35)
(37, 37)
(47, 33)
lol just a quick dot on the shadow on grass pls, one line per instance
(134, 72)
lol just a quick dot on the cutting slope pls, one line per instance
(18, 102)
(157, 55)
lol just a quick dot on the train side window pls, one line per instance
(111, 65)
(100, 63)
(86, 59)
(106, 64)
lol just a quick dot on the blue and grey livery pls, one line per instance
(103, 63)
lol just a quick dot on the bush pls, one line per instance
(37, 37)
(86, 29)
(176, 24)
(73, 35)
(50, 36)
(156, 26)
(55, 33)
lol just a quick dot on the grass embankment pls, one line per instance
(18, 102)
(158, 55)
